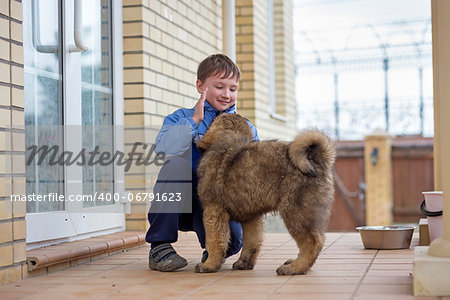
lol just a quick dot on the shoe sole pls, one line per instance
(171, 264)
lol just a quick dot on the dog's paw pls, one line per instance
(289, 261)
(202, 268)
(288, 270)
(243, 265)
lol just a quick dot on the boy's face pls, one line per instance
(222, 92)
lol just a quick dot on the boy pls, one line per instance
(217, 82)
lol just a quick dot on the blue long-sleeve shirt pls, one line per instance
(179, 132)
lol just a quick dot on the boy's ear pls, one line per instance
(199, 85)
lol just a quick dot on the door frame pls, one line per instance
(76, 221)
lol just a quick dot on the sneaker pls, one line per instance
(164, 258)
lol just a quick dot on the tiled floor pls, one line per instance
(344, 270)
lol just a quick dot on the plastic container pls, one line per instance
(432, 208)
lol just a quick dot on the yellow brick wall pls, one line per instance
(12, 143)
(245, 57)
(253, 57)
(164, 41)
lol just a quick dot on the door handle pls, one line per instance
(77, 34)
(36, 32)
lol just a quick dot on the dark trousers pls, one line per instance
(166, 218)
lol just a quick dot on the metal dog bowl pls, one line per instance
(386, 237)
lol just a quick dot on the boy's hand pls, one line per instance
(199, 108)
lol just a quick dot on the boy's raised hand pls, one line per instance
(199, 108)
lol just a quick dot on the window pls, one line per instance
(276, 111)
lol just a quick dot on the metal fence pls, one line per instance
(399, 45)
(358, 119)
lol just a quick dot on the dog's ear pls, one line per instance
(210, 135)
(205, 142)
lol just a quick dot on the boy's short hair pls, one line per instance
(217, 64)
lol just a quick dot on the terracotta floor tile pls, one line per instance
(122, 296)
(384, 255)
(116, 280)
(138, 266)
(337, 272)
(389, 273)
(388, 280)
(190, 276)
(51, 279)
(78, 273)
(331, 261)
(14, 295)
(117, 273)
(132, 255)
(306, 296)
(302, 280)
(317, 288)
(98, 289)
(388, 266)
(140, 250)
(88, 267)
(279, 255)
(208, 295)
(253, 273)
(26, 287)
(273, 279)
(397, 289)
(348, 250)
(180, 282)
(219, 287)
(346, 256)
(130, 259)
(341, 267)
(189, 270)
(392, 260)
(159, 291)
(272, 268)
(110, 261)
(66, 296)
(391, 297)
(348, 247)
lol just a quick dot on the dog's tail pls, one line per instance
(312, 152)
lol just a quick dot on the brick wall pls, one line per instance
(164, 41)
(12, 143)
(252, 47)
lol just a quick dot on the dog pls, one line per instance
(241, 179)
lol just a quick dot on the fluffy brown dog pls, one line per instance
(242, 180)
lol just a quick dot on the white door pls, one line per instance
(73, 100)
